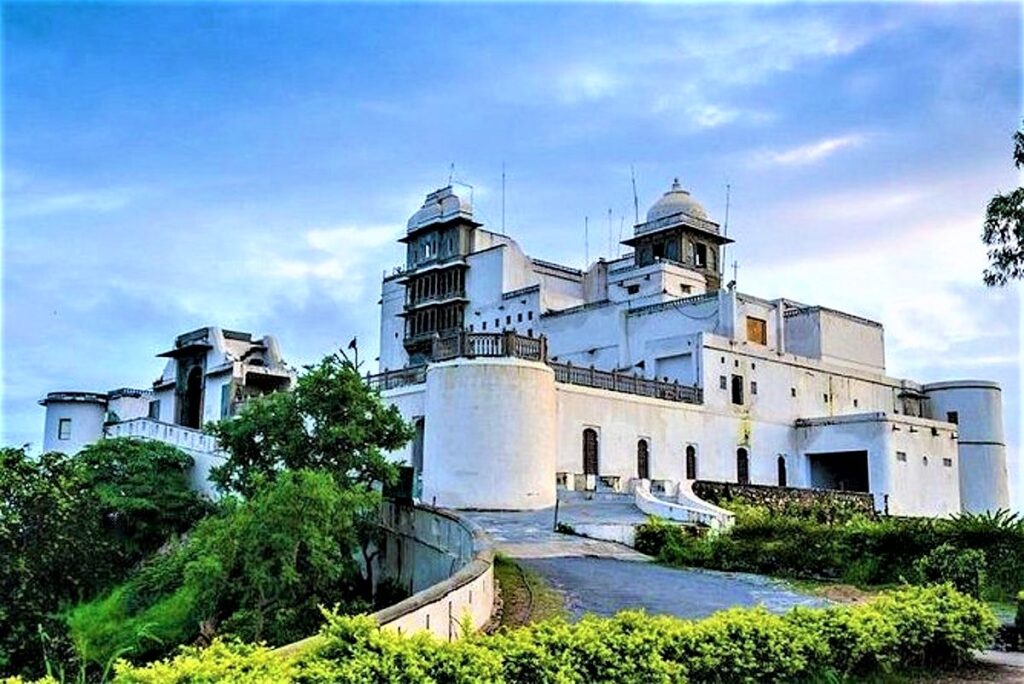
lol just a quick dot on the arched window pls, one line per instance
(782, 471)
(590, 451)
(742, 466)
(643, 460)
(691, 462)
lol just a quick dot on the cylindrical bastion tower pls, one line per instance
(977, 407)
(490, 441)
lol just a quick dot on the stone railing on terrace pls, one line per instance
(623, 382)
(509, 344)
(176, 435)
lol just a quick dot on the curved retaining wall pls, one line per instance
(448, 561)
(690, 508)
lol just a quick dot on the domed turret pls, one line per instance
(440, 205)
(674, 201)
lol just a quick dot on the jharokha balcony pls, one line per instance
(508, 344)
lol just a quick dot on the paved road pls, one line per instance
(607, 585)
(604, 577)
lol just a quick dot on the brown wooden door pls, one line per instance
(590, 451)
(643, 460)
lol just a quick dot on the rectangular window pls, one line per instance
(948, 462)
(700, 255)
(685, 289)
(508, 320)
(632, 289)
(529, 332)
(737, 389)
(855, 403)
(953, 417)
(154, 409)
(64, 428)
(757, 330)
(753, 386)
(519, 318)
(723, 382)
(471, 327)
(225, 400)
(792, 391)
(497, 323)
(901, 456)
(529, 315)
(484, 325)
(824, 397)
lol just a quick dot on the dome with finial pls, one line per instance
(440, 205)
(674, 201)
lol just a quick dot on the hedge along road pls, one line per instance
(604, 578)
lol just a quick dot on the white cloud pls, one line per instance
(345, 258)
(810, 153)
(92, 201)
(585, 83)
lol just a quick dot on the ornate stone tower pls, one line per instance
(678, 230)
(438, 238)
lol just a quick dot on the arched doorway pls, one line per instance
(691, 462)
(742, 466)
(590, 451)
(782, 471)
(192, 405)
(643, 460)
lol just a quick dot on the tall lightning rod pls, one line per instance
(636, 201)
(586, 242)
(622, 222)
(502, 198)
(609, 233)
(725, 230)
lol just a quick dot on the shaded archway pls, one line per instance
(643, 460)
(192, 402)
(782, 471)
(691, 462)
(742, 466)
(590, 451)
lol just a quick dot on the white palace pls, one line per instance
(522, 376)
(641, 374)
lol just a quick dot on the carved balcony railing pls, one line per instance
(630, 384)
(470, 345)
(397, 378)
(509, 344)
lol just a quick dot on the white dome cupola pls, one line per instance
(675, 201)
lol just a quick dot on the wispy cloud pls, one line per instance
(810, 153)
(90, 201)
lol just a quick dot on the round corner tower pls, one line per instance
(976, 407)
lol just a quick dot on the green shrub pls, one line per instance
(1019, 618)
(963, 568)
(859, 550)
(925, 627)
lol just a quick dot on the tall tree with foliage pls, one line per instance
(144, 491)
(53, 550)
(331, 421)
(1004, 228)
(259, 569)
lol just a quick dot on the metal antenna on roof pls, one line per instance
(609, 233)
(451, 173)
(636, 202)
(725, 230)
(622, 222)
(503, 198)
(586, 242)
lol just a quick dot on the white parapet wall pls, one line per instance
(489, 438)
(690, 509)
(441, 545)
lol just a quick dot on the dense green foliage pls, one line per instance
(963, 568)
(858, 551)
(259, 570)
(912, 627)
(1019, 619)
(331, 421)
(70, 526)
(1004, 228)
(143, 488)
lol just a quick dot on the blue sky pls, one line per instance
(251, 165)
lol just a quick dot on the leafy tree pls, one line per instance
(143, 489)
(1004, 228)
(259, 570)
(331, 421)
(53, 550)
